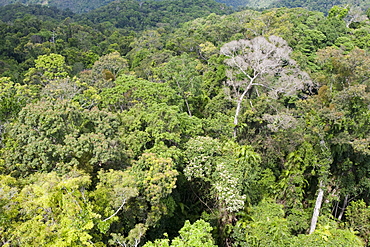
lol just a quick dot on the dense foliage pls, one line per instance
(183, 127)
(77, 6)
(84, 6)
(136, 15)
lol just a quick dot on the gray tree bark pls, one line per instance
(316, 211)
(343, 207)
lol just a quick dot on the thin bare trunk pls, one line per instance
(184, 97)
(237, 111)
(317, 208)
(187, 105)
(238, 108)
(335, 209)
(343, 207)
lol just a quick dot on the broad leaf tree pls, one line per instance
(51, 210)
(57, 136)
(47, 68)
(183, 75)
(224, 174)
(191, 235)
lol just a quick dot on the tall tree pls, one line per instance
(183, 75)
(261, 62)
(108, 67)
(47, 210)
(47, 68)
(191, 235)
(224, 174)
(56, 136)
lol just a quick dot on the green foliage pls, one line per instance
(156, 178)
(265, 227)
(137, 143)
(339, 119)
(328, 236)
(52, 211)
(358, 219)
(134, 15)
(47, 68)
(147, 127)
(115, 188)
(13, 97)
(183, 75)
(11, 11)
(338, 12)
(8, 207)
(108, 67)
(191, 235)
(129, 91)
(225, 175)
(344, 69)
(59, 135)
(196, 234)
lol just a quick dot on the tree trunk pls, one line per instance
(184, 97)
(317, 208)
(187, 105)
(238, 107)
(343, 207)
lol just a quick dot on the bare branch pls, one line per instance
(265, 63)
(115, 213)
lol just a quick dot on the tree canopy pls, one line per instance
(184, 124)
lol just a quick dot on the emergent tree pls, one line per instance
(261, 62)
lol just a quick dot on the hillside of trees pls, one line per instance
(77, 6)
(83, 6)
(321, 5)
(184, 127)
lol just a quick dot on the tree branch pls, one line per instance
(123, 203)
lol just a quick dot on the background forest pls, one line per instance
(184, 123)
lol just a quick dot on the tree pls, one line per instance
(182, 74)
(337, 128)
(261, 62)
(355, 15)
(47, 68)
(113, 197)
(327, 236)
(191, 235)
(265, 225)
(358, 215)
(59, 135)
(340, 70)
(129, 91)
(157, 125)
(224, 174)
(13, 97)
(154, 179)
(109, 66)
(52, 210)
(9, 208)
(62, 89)
(112, 192)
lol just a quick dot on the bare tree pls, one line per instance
(261, 62)
(355, 14)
